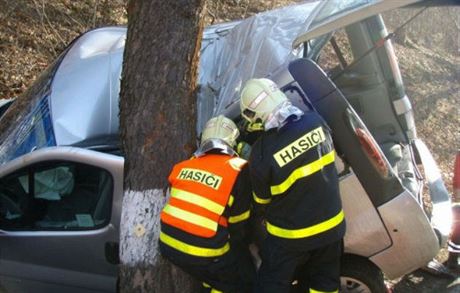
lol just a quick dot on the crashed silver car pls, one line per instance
(61, 171)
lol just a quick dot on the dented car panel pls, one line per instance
(408, 230)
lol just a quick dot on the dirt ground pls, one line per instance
(34, 32)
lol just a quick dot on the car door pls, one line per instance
(59, 221)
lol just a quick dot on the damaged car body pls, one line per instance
(61, 172)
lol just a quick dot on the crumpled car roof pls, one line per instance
(82, 99)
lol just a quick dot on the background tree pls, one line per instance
(157, 121)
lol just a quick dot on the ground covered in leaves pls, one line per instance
(34, 32)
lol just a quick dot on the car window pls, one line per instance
(337, 53)
(56, 196)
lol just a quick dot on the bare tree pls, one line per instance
(157, 114)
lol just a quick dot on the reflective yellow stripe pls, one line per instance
(239, 147)
(206, 285)
(190, 217)
(197, 200)
(239, 218)
(230, 200)
(316, 291)
(306, 232)
(260, 200)
(302, 172)
(191, 249)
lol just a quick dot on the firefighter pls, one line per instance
(293, 176)
(204, 223)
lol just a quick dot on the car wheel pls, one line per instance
(360, 275)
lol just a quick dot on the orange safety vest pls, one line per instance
(200, 191)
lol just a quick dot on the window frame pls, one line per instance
(33, 168)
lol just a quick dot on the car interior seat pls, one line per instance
(102, 209)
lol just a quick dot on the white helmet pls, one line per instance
(218, 133)
(259, 98)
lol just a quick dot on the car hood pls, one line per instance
(85, 89)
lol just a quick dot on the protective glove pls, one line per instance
(243, 149)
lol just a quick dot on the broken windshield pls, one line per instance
(34, 129)
(34, 132)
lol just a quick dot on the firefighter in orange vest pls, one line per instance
(204, 224)
(293, 175)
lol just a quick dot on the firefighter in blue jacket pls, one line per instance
(293, 175)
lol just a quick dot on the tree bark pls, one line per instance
(157, 123)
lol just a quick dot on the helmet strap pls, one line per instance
(255, 126)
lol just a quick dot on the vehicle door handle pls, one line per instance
(112, 250)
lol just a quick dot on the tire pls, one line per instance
(360, 275)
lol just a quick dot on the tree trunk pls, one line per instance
(157, 122)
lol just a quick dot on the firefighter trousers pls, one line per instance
(317, 270)
(233, 272)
